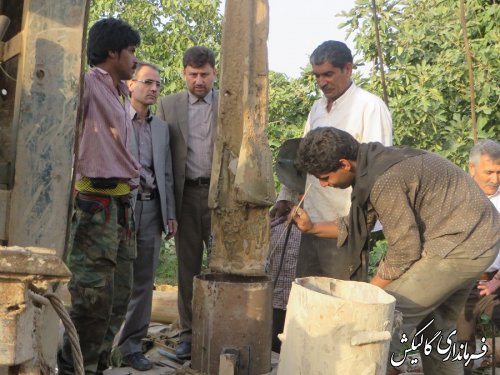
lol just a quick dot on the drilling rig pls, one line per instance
(41, 65)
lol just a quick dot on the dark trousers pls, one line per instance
(279, 316)
(193, 234)
(469, 317)
(149, 227)
(321, 257)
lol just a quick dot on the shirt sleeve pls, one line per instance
(343, 225)
(307, 125)
(379, 128)
(342, 230)
(394, 209)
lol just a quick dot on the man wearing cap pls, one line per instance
(362, 114)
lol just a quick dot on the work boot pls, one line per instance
(183, 350)
(137, 361)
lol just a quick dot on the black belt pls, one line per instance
(146, 196)
(200, 181)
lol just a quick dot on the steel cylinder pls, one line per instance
(232, 314)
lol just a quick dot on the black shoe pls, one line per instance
(183, 350)
(137, 361)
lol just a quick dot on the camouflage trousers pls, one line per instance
(101, 259)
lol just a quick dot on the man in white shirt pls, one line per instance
(356, 111)
(484, 167)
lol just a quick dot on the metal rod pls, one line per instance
(289, 220)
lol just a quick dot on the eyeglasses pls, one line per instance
(148, 82)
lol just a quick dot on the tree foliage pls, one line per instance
(290, 100)
(167, 28)
(426, 71)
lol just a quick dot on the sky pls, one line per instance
(297, 27)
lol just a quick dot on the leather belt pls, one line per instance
(200, 181)
(146, 196)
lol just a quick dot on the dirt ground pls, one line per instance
(162, 339)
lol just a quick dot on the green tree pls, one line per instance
(426, 71)
(290, 100)
(167, 28)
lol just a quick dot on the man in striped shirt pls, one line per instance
(102, 243)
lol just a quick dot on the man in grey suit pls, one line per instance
(154, 209)
(192, 117)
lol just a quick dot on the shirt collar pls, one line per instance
(495, 194)
(343, 97)
(106, 77)
(133, 114)
(193, 98)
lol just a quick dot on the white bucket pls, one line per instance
(336, 327)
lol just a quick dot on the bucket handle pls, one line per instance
(370, 337)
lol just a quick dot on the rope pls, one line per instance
(7, 74)
(45, 368)
(55, 301)
(288, 222)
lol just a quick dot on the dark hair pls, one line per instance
(322, 148)
(198, 56)
(332, 51)
(109, 35)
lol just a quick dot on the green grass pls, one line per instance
(377, 252)
(166, 272)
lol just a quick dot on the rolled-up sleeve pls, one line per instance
(343, 230)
